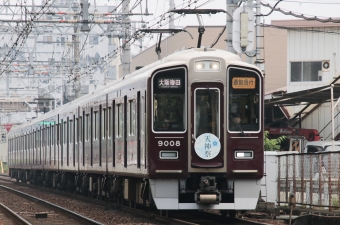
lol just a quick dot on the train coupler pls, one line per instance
(207, 198)
(207, 193)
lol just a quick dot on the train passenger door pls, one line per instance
(207, 125)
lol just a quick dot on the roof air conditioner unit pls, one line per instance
(325, 65)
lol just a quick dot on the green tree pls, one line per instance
(272, 144)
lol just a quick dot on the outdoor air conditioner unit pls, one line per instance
(325, 65)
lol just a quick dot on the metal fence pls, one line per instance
(314, 179)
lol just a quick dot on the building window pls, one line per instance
(93, 40)
(47, 39)
(305, 71)
(3, 137)
(61, 41)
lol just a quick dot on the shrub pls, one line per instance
(272, 144)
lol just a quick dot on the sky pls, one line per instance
(319, 8)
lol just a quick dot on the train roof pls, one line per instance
(177, 58)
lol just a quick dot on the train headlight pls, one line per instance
(214, 66)
(244, 154)
(199, 66)
(207, 66)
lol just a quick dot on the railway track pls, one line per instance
(38, 211)
(10, 217)
(175, 217)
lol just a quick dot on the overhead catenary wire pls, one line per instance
(21, 39)
(102, 60)
(297, 15)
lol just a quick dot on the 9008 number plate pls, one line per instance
(171, 143)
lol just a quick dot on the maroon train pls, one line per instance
(185, 132)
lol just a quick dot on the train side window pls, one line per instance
(80, 129)
(43, 138)
(52, 135)
(75, 128)
(132, 117)
(58, 134)
(109, 123)
(95, 125)
(62, 138)
(48, 144)
(86, 127)
(39, 146)
(48, 137)
(65, 131)
(74, 137)
(113, 132)
(34, 145)
(52, 143)
(103, 123)
(120, 120)
(71, 138)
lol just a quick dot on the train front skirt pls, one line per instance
(165, 193)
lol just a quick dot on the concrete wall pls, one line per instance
(3, 152)
(275, 50)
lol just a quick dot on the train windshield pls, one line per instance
(243, 100)
(169, 101)
(206, 111)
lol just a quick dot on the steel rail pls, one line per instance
(78, 217)
(143, 213)
(13, 215)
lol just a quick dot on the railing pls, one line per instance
(314, 179)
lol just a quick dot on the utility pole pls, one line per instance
(250, 5)
(76, 73)
(126, 51)
(171, 17)
(231, 6)
(7, 84)
(259, 39)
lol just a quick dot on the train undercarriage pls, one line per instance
(199, 191)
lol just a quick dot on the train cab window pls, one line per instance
(243, 100)
(168, 103)
(207, 111)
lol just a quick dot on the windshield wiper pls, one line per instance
(209, 92)
(237, 125)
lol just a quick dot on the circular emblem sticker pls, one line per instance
(207, 146)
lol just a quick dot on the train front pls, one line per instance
(206, 133)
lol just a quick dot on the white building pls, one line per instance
(40, 76)
(313, 60)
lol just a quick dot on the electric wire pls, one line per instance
(290, 13)
(89, 68)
